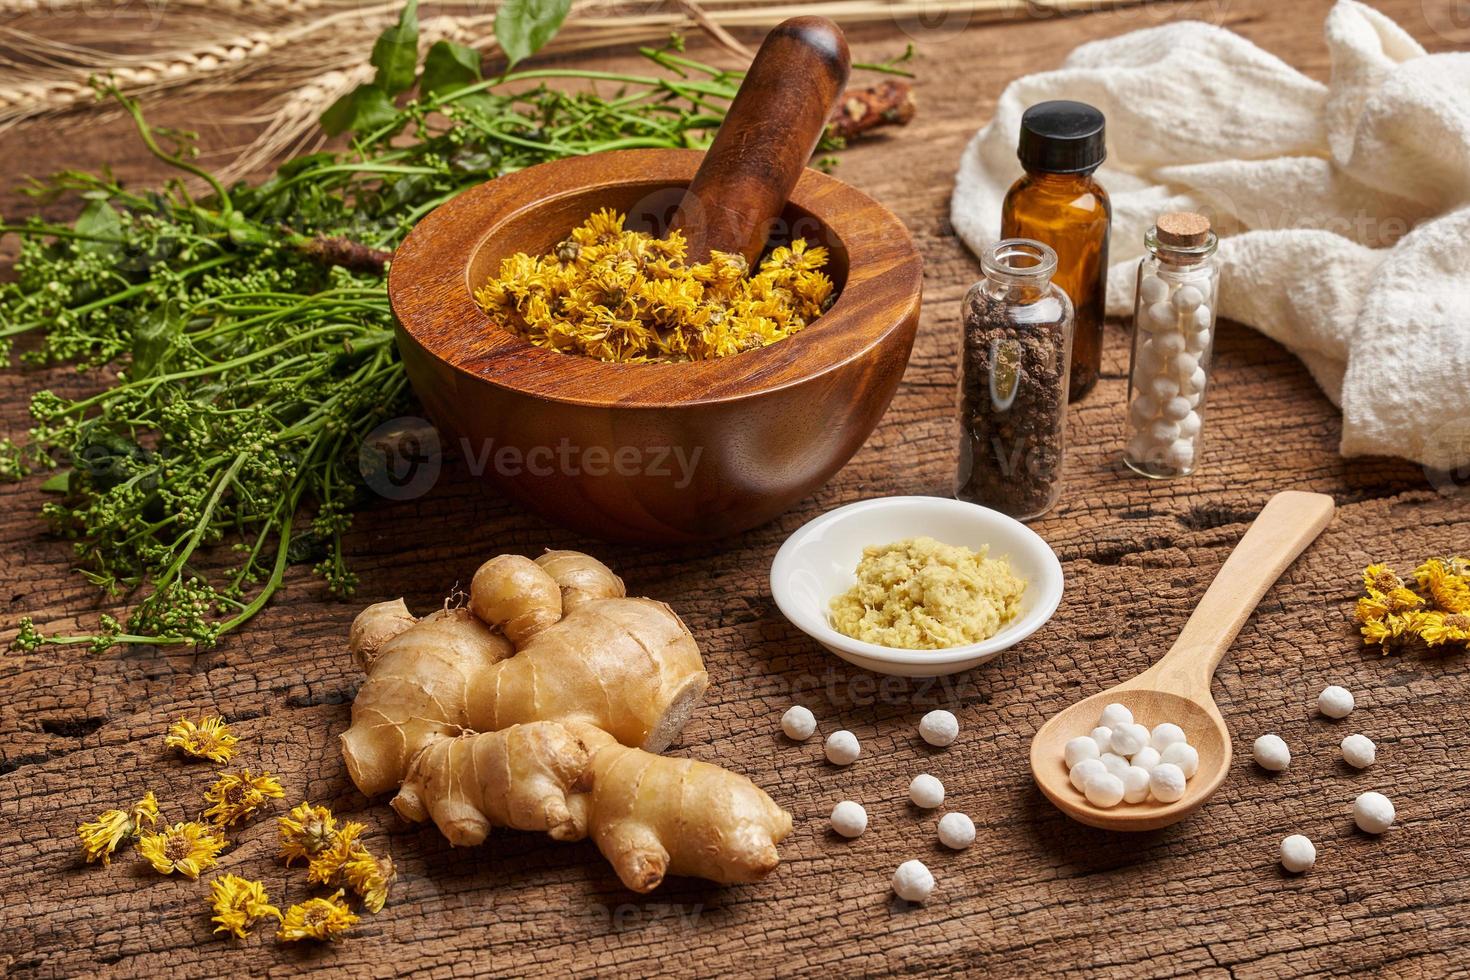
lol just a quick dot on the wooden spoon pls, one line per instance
(1177, 688)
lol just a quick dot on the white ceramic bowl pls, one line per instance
(820, 560)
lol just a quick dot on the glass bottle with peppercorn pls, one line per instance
(1013, 381)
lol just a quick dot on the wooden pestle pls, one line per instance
(768, 136)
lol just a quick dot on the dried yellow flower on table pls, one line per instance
(1438, 628)
(102, 836)
(316, 918)
(187, 847)
(238, 904)
(1391, 610)
(306, 831)
(1451, 590)
(329, 860)
(369, 877)
(208, 738)
(235, 796)
(626, 296)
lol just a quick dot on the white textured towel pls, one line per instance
(1343, 210)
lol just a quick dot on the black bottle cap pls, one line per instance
(1062, 138)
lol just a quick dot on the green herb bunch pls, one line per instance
(242, 335)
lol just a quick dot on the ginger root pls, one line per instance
(541, 707)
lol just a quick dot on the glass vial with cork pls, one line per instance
(1060, 204)
(1173, 338)
(1013, 382)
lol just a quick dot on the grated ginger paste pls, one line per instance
(922, 594)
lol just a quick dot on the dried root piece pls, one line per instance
(652, 816)
(518, 778)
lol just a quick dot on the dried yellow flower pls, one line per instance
(236, 796)
(1451, 591)
(209, 738)
(102, 836)
(187, 847)
(306, 831)
(317, 918)
(1391, 610)
(621, 295)
(1439, 628)
(329, 860)
(369, 877)
(238, 904)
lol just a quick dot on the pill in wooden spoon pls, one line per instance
(1177, 688)
(765, 140)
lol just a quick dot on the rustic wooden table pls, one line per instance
(1037, 893)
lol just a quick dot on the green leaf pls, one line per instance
(98, 219)
(365, 107)
(59, 482)
(154, 337)
(449, 66)
(523, 26)
(396, 52)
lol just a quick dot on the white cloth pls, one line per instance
(1343, 210)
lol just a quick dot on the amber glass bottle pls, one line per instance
(1059, 203)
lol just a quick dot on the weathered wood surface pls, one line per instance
(1037, 893)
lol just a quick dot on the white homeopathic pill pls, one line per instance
(1114, 763)
(1079, 748)
(1146, 757)
(1085, 769)
(956, 831)
(1114, 715)
(1166, 734)
(1271, 753)
(1153, 290)
(1162, 315)
(1189, 426)
(1183, 755)
(1105, 790)
(913, 882)
(1202, 317)
(1177, 408)
(849, 819)
(1359, 751)
(1163, 388)
(1163, 430)
(1129, 739)
(1143, 409)
(1103, 736)
(939, 728)
(1373, 813)
(1135, 784)
(926, 791)
(1180, 454)
(842, 748)
(1187, 299)
(1199, 340)
(1335, 702)
(1169, 345)
(1166, 782)
(1298, 854)
(798, 723)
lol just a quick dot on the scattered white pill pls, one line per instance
(1105, 790)
(1187, 299)
(1189, 426)
(1271, 753)
(1165, 734)
(939, 728)
(926, 791)
(1335, 702)
(1129, 738)
(1079, 748)
(1177, 409)
(849, 819)
(956, 831)
(1163, 388)
(1359, 751)
(1298, 854)
(1084, 770)
(1114, 763)
(798, 723)
(842, 748)
(1146, 757)
(1180, 454)
(1135, 784)
(1169, 345)
(1153, 290)
(1163, 315)
(1373, 813)
(1114, 715)
(1183, 755)
(912, 882)
(1103, 736)
(1166, 782)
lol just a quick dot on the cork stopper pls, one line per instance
(1182, 229)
